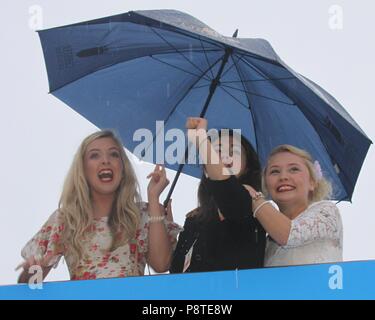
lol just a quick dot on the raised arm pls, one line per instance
(321, 222)
(276, 224)
(159, 244)
(197, 134)
(231, 197)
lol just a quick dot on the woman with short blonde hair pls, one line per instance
(306, 228)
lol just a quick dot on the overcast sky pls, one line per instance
(40, 134)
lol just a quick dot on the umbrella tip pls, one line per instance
(235, 34)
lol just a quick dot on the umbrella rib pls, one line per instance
(202, 86)
(183, 97)
(245, 53)
(258, 57)
(110, 48)
(259, 80)
(254, 68)
(205, 54)
(178, 68)
(174, 48)
(226, 71)
(187, 91)
(187, 33)
(214, 42)
(240, 75)
(259, 95)
(259, 72)
(119, 62)
(241, 103)
(171, 65)
(252, 113)
(317, 131)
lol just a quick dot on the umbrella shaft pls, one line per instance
(214, 83)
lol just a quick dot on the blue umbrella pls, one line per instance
(130, 70)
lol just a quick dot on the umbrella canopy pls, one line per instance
(130, 70)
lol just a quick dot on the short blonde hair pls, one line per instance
(323, 188)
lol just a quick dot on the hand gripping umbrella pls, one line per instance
(130, 70)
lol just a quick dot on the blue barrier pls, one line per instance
(348, 280)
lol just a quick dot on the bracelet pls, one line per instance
(153, 219)
(257, 196)
(258, 208)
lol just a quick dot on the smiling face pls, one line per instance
(288, 179)
(103, 166)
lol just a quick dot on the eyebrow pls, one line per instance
(96, 149)
(289, 164)
(274, 166)
(294, 164)
(91, 150)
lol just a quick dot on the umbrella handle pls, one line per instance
(171, 189)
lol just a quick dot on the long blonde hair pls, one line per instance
(75, 204)
(323, 188)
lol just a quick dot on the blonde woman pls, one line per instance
(101, 227)
(307, 228)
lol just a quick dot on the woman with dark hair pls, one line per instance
(221, 234)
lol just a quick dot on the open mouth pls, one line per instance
(105, 175)
(228, 165)
(285, 188)
(227, 161)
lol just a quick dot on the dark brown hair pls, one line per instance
(251, 176)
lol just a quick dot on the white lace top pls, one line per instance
(316, 236)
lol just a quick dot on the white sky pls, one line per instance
(39, 134)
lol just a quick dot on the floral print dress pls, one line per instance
(98, 261)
